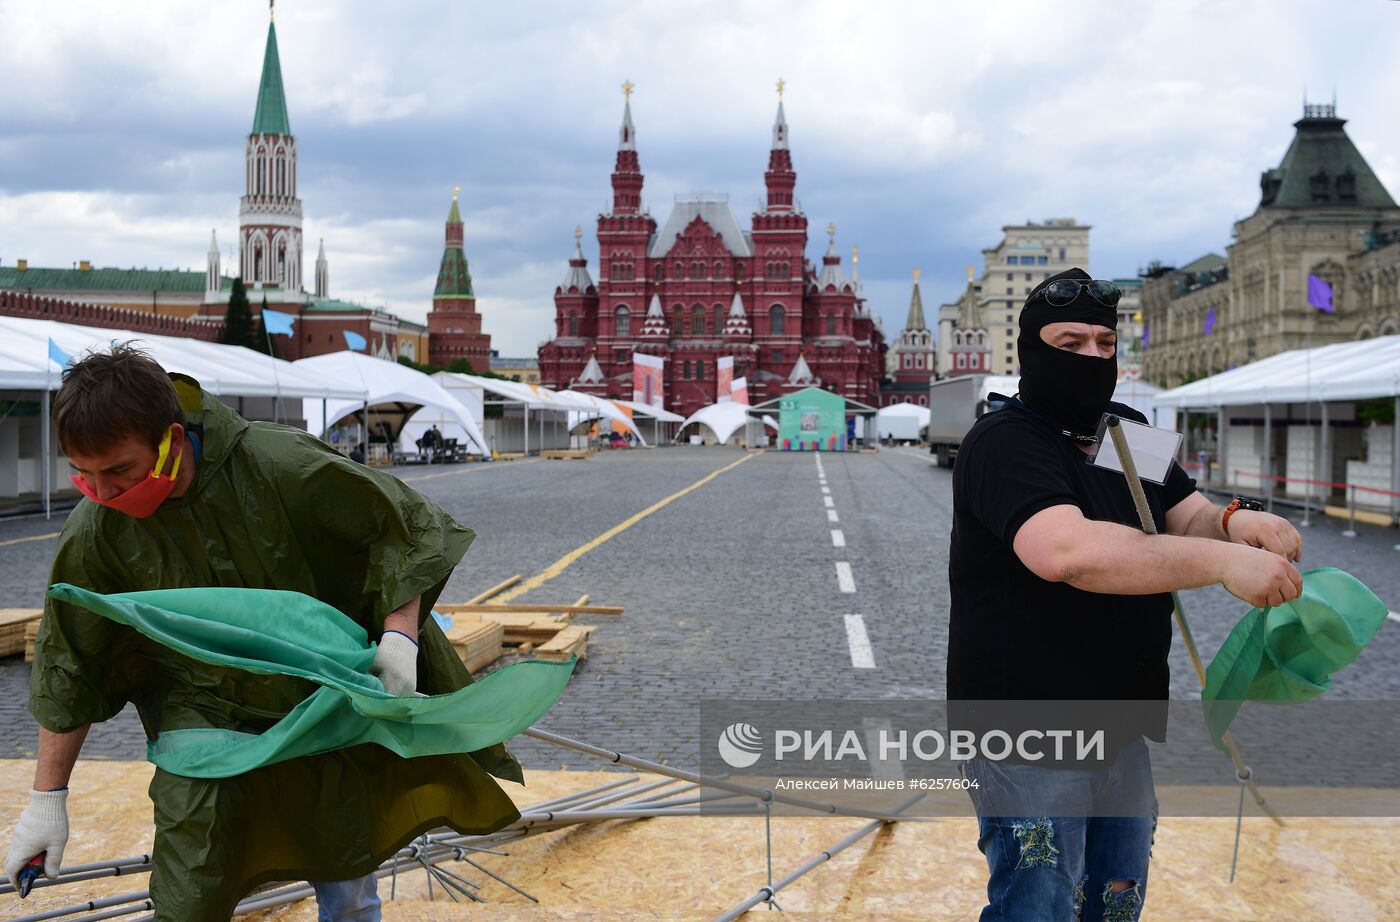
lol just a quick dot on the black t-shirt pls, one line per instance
(1013, 635)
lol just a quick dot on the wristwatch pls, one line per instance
(1239, 502)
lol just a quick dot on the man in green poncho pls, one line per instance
(185, 493)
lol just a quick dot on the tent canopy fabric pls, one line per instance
(607, 409)
(394, 393)
(723, 419)
(646, 409)
(913, 410)
(221, 370)
(1342, 371)
(901, 421)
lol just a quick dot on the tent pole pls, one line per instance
(1325, 449)
(526, 427)
(48, 462)
(324, 411)
(1395, 463)
(1267, 481)
(1220, 422)
(364, 431)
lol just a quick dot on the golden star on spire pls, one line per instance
(578, 232)
(831, 230)
(781, 83)
(855, 253)
(970, 273)
(456, 191)
(627, 87)
(917, 272)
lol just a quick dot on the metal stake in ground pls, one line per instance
(1125, 459)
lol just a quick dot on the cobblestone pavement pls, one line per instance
(733, 590)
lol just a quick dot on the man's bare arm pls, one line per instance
(404, 619)
(1060, 545)
(58, 752)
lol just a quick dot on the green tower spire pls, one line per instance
(271, 114)
(454, 278)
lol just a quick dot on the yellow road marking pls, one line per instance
(563, 563)
(53, 534)
(468, 470)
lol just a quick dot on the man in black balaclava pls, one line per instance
(1057, 596)
(1072, 388)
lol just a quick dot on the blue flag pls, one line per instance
(1146, 334)
(1319, 294)
(1210, 320)
(354, 340)
(56, 354)
(278, 322)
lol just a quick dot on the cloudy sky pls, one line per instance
(919, 129)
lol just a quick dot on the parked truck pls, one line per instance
(955, 404)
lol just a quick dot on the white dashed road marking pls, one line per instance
(831, 515)
(828, 502)
(862, 655)
(845, 579)
(838, 539)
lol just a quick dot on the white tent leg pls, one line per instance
(1266, 481)
(324, 433)
(48, 461)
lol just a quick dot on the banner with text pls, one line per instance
(724, 378)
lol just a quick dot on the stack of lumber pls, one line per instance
(539, 629)
(31, 633)
(13, 624)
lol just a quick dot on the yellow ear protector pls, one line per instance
(164, 453)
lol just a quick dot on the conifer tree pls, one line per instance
(238, 320)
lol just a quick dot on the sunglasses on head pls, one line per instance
(1065, 291)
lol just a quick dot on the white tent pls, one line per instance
(394, 393)
(607, 409)
(901, 421)
(1141, 396)
(221, 370)
(1344, 371)
(525, 407)
(723, 419)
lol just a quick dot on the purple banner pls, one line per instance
(1319, 293)
(1210, 320)
(1145, 331)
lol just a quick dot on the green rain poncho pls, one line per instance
(270, 508)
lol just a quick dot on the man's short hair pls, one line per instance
(107, 396)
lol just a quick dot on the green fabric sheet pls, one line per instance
(1289, 653)
(272, 632)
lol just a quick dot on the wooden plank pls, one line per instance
(571, 641)
(534, 608)
(22, 616)
(495, 590)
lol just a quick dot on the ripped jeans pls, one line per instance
(1061, 867)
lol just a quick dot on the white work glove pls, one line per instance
(396, 664)
(42, 827)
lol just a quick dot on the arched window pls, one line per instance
(700, 371)
(830, 324)
(257, 262)
(622, 320)
(719, 270)
(657, 271)
(777, 320)
(738, 272)
(697, 269)
(677, 269)
(719, 319)
(678, 320)
(282, 263)
(697, 321)
(573, 324)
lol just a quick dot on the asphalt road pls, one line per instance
(785, 576)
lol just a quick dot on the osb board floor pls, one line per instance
(695, 868)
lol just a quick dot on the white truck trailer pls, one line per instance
(955, 404)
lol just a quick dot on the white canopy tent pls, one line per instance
(394, 393)
(1142, 396)
(28, 463)
(659, 417)
(522, 405)
(723, 419)
(1343, 371)
(1309, 390)
(901, 421)
(604, 408)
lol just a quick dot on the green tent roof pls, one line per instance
(271, 114)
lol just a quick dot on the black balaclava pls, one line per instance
(1071, 389)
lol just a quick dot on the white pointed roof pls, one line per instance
(780, 129)
(736, 309)
(213, 242)
(831, 269)
(577, 276)
(714, 211)
(723, 419)
(654, 309)
(801, 372)
(591, 374)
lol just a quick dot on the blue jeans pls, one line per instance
(347, 900)
(1061, 867)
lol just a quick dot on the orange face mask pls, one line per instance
(144, 498)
